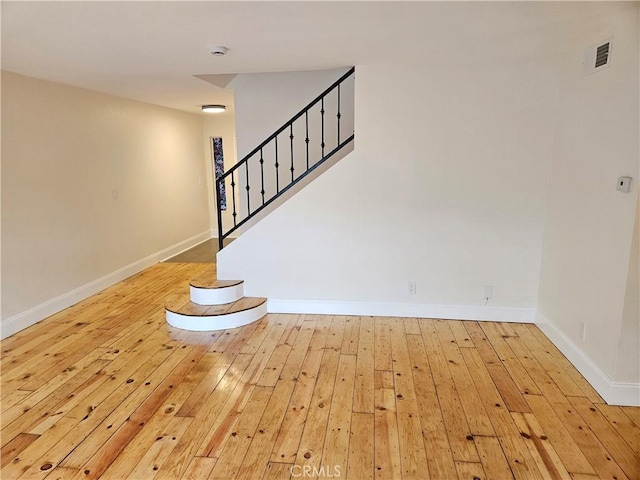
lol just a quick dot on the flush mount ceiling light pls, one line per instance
(218, 51)
(213, 108)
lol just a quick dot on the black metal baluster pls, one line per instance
(322, 116)
(306, 140)
(246, 169)
(233, 196)
(277, 165)
(291, 139)
(219, 183)
(338, 114)
(262, 176)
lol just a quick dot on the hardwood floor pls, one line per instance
(106, 389)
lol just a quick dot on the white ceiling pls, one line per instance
(152, 50)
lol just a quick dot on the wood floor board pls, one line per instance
(560, 438)
(360, 461)
(622, 424)
(313, 436)
(510, 360)
(285, 448)
(198, 468)
(458, 431)
(477, 418)
(616, 446)
(14, 447)
(351, 335)
(121, 404)
(471, 471)
(382, 344)
(111, 449)
(336, 445)
(564, 374)
(542, 452)
(515, 451)
(386, 437)
(438, 450)
(258, 453)
(279, 471)
(492, 458)
(500, 375)
(205, 420)
(363, 395)
(463, 340)
(238, 441)
(106, 389)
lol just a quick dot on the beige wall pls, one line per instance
(64, 152)
(628, 366)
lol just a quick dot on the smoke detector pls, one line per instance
(218, 51)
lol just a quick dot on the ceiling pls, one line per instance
(158, 52)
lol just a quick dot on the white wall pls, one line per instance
(589, 225)
(64, 151)
(445, 187)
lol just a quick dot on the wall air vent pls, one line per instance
(602, 55)
(597, 57)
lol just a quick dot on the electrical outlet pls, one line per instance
(583, 331)
(412, 287)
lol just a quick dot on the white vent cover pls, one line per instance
(597, 57)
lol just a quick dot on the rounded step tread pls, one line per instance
(181, 304)
(206, 281)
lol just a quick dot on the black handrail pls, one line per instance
(231, 173)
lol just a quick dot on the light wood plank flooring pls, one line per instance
(106, 389)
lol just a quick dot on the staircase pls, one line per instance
(213, 305)
(316, 134)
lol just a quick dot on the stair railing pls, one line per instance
(273, 182)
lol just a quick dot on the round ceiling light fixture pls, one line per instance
(213, 108)
(218, 51)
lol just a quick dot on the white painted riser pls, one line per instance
(216, 322)
(216, 296)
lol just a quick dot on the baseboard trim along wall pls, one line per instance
(40, 312)
(614, 393)
(417, 310)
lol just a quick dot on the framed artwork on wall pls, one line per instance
(218, 167)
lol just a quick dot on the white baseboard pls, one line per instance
(614, 393)
(40, 312)
(417, 310)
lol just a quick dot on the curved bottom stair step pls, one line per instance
(206, 290)
(182, 313)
